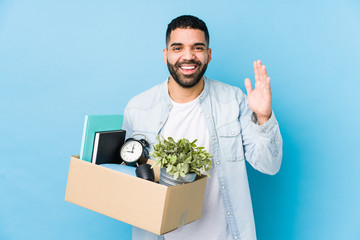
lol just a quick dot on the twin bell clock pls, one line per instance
(134, 152)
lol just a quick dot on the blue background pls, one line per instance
(61, 60)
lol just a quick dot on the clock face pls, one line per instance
(131, 151)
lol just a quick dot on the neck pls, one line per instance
(183, 95)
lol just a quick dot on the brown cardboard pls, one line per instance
(144, 204)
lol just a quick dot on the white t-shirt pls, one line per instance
(186, 121)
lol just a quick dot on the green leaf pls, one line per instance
(188, 160)
(185, 168)
(173, 159)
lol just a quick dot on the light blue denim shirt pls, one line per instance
(234, 137)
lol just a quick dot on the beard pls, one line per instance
(187, 81)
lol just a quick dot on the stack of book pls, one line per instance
(102, 139)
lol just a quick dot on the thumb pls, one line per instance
(248, 86)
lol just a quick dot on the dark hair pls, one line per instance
(187, 21)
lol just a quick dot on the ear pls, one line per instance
(165, 55)
(209, 55)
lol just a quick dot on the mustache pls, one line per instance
(178, 64)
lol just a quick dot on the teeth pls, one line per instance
(188, 67)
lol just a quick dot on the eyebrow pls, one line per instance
(200, 44)
(176, 44)
(180, 44)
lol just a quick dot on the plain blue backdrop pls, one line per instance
(61, 60)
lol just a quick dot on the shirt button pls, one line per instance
(228, 213)
(161, 123)
(223, 187)
(213, 138)
(207, 116)
(272, 141)
(265, 128)
(218, 163)
(232, 133)
(235, 237)
(169, 105)
(201, 98)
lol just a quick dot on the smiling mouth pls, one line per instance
(188, 69)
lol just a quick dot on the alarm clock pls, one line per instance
(134, 151)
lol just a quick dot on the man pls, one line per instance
(229, 124)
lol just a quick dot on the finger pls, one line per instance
(267, 84)
(256, 71)
(263, 73)
(248, 86)
(259, 66)
(258, 63)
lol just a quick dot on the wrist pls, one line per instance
(263, 118)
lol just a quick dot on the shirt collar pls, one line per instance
(167, 98)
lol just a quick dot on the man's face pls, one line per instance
(187, 56)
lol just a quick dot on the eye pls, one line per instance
(176, 49)
(199, 48)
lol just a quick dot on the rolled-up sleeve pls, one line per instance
(262, 143)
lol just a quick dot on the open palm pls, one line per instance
(259, 98)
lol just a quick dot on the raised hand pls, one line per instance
(259, 98)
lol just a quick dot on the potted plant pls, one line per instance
(180, 161)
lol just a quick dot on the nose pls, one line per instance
(188, 54)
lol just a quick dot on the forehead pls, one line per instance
(187, 36)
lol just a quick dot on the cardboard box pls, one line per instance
(144, 204)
